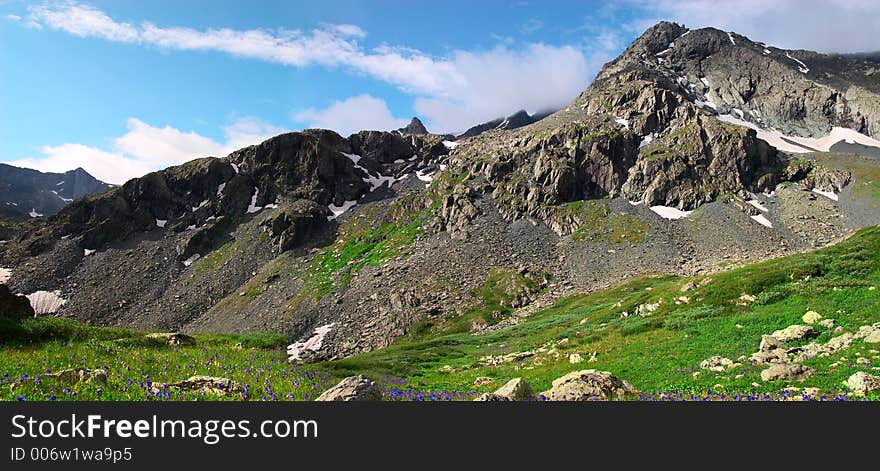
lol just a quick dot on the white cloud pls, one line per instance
(452, 92)
(351, 115)
(146, 148)
(13, 17)
(820, 25)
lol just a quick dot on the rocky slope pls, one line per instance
(346, 244)
(29, 193)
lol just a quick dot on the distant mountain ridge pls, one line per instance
(26, 192)
(517, 120)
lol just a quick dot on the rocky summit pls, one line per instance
(694, 151)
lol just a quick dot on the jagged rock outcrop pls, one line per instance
(415, 127)
(353, 388)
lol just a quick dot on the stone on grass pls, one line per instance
(861, 383)
(787, 371)
(353, 388)
(173, 338)
(811, 317)
(74, 376)
(588, 385)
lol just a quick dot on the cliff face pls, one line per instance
(28, 193)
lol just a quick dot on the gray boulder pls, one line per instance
(353, 388)
(861, 383)
(787, 371)
(587, 385)
(13, 306)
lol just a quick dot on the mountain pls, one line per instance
(516, 120)
(414, 127)
(29, 193)
(692, 152)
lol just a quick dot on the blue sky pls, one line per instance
(124, 87)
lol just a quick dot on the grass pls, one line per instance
(600, 222)
(657, 353)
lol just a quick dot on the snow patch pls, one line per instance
(828, 194)
(340, 210)
(220, 189)
(425, 177)
(59, 183)
(191, 260)
(647, 140)
(313, 343)
(87, 252)
(801, 145)
(766, 52)
(33, 213)
(668, 212)
(803, 67)
(253, 208)
(757, 204)
(450, 144)
(46, 302)
(201, 205)
(400, 161)
(5, 275)
(234, 167)
(623, 122)
(730, 36)
(760, 219)
(161, 222)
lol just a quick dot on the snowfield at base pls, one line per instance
(161, 222)
(668, 212)
(5, 275)
(253, 208)
(760, 219)
(828, 194)
(313, 343)
(340, 210)
(450, 144)
(87, 252)
(802, 145)
(191, 260)
(46, 302)
(34, 213)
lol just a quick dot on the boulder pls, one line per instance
(861, 383)
(588, 385)
(353, 388)
(209, 384)
(14, 306)
(794, 332)
(173, 338)
(826, 323)
(771, 350)
(811, 317)
(575, 358)
(873, 337)
(516, 389)
(491, 397)
(787, 371)
(74, 376)
(716, 363)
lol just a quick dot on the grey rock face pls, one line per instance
(24, 191)
(787, 371)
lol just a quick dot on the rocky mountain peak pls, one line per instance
(415, 127)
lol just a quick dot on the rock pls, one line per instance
(214, 385)
(866, 331)
(861, 383)
(353, 388)
(74, 376)
(575, 358)
(482, 380)
(414, 127)
(516, 389)
(811, 317)
(14, 306)
(587, 385)
(771, 350)
(490, 397)
(840, 342)
(173, 338)
(716, 363)
(873, 337)
(826, 323)
(689, 286)
(794, 332)
(787, 371)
